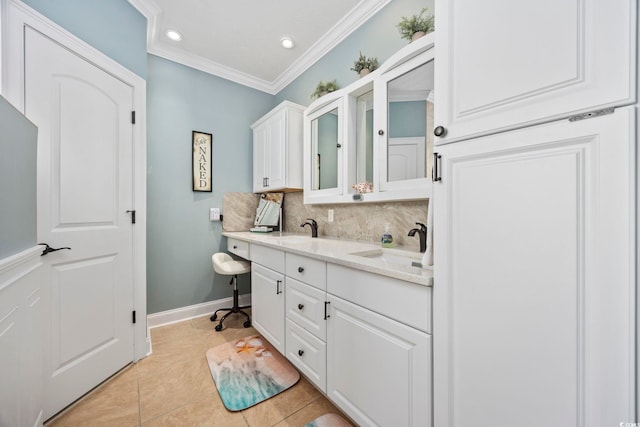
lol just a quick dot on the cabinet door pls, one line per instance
(403, 123)
(503, 64)
(260, 148)
(378, 370)
(323, 141)
(267, 304)
(533, 294)
(275, 154)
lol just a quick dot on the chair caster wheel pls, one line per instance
(218, 328)
(213, 318)
(246, 324)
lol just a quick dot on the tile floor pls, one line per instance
(173, 387)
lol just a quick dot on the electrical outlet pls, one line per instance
(330, 215)
(214, 214)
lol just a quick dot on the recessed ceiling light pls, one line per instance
(287, 42)
(174, 35)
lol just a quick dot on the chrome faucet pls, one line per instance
(422, 233)
(314, 226)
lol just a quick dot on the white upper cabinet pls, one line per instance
(375, 133)
(404, 127)
(504, 64)
(323, 153)
(277, 149)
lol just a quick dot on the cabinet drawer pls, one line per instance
(305, 305)
(405, 302)
(269, 257)
(308, 354)
(238, 247)
(307, 270)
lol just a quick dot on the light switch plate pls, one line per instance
(214, 214)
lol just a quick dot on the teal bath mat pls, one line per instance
(248, 371)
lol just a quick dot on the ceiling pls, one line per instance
(239, 40)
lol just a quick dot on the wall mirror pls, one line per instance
(325, 148)
(410, 124)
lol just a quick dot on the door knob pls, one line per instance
(439, 131)
(380, 132)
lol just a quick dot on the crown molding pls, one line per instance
(364, 10)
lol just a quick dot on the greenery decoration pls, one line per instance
(408, 26)
(324, 88)
(363, 62)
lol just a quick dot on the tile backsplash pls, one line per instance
(358, 221)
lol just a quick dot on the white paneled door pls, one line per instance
(85, 188)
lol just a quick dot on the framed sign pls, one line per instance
(201, 147)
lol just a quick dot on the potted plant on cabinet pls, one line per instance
(416, 26)
(324, 88)
(364, 65)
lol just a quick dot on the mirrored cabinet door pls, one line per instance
(405, 132)
(364, 170)
(325, 148)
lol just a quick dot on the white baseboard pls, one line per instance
(191, 312)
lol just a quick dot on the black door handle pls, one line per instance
(300, 353)
(435, 172)
(300, 306)
(48, 249)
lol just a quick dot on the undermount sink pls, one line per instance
(393, 257)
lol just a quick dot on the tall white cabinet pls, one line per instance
(534, 298)
(277, 149)
(504, 64)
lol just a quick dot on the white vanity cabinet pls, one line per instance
(534, 295)
(503, 64)
(277, 149)
(378, 350)
(268, 294)
(305, 309)
(363, 339)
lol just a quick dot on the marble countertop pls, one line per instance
(394, 262)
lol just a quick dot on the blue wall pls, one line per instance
(378, 37)
(114, 27)
(180, 237)
(18, 138)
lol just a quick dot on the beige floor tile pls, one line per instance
(279, 407)
(169, 353)
(114, 403)
(179, 385)
(170, 332)
(205, 412)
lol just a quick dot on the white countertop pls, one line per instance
(339, 251)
